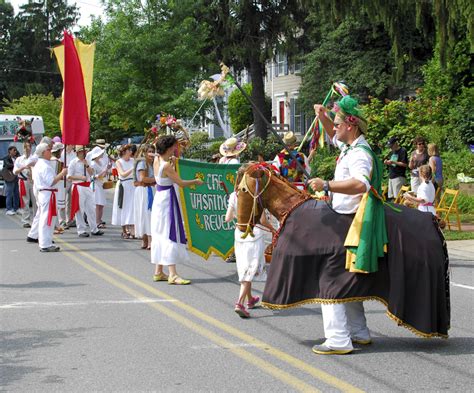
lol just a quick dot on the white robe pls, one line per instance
(86, 198)
(124, 216)
(43, 177)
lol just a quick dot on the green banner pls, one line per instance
(204, 207)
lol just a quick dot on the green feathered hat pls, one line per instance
(347, 110)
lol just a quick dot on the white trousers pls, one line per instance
(33, 233)
(45, 231)
(26, 216)
(343, 321)
(87, 206)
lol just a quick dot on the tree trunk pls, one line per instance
(258, 97)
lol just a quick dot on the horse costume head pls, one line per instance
(261, 186)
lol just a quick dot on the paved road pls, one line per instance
(90, 319)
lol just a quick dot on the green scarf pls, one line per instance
(367, 238)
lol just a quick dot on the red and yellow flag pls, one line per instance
(76, 63)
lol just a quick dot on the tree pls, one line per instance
(28, 67)
(443, 21)
(42, 105)
(355, 50)
(247, 33)
(148, 60)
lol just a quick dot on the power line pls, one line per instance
(28, 70)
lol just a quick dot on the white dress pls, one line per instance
(142, 212)
(249, 252)
(124, 216)
(97, 186)
(426, 191)
(163, 250)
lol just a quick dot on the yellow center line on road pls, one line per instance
(240, 352)
(278, 354)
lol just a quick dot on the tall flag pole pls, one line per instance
(76, 64)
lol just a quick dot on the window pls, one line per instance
(298, 117)
(281, 64)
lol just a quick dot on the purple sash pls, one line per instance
(174, 205)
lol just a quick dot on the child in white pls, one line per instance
(426, 192)
(249, 254)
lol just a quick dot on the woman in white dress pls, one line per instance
(122, 211)
(99, 161)
(144, 182)
(168, 244)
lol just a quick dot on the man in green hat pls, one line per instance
(357, 172)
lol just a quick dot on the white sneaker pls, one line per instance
(10, 213)
(19, 211)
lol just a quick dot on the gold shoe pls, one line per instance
(361, 342)
(160, 277)
(177, 280)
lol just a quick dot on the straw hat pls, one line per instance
(81, 147)
(101, 143)
(95, 153)
(289, 138)
(232, 147)
(56, 147)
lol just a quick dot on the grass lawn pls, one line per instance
(457, 235)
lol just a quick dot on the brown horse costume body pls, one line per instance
(308, 261)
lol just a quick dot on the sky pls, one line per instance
(86, 9)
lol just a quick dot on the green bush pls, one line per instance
(324, 163)
(461, 161)
(465, 203)
(240, 110)
(268, 149)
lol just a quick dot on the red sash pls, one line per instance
(75, 198)
(52, 204)
(21, 184)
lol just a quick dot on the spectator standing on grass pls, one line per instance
(397, 164)
(436, 164)
(418, 158)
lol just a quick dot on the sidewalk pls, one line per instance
(461, 249)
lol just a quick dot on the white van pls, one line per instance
(9, 124)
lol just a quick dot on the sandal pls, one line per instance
(148, 248)
(252, 303)
(160, 277)
(177, 280)
(241, 311)
(101, 225)
(58, 231)
(125, 235)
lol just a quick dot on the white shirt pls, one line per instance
(21, 162)
(32, 159)
(100, 165)
(43, 175)
(353, 163)
(76, 168)
(426, 192)
(227, 160)
(69, 157)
